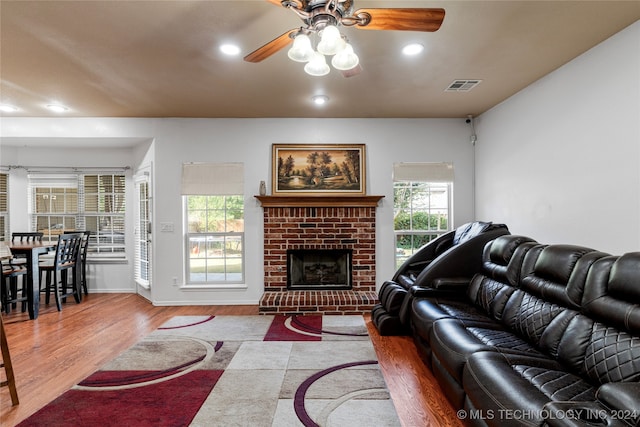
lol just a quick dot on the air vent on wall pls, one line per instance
(462, 85)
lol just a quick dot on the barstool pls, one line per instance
(83, 258)
(67, 257)
(11, 294)
(9, 290)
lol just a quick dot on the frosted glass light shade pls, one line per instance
(330, 41)
(301, 51)
(346, 59)
(317, 66)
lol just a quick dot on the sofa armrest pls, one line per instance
(445, 292)
(580, 414)
(623, 399)
(459, 284)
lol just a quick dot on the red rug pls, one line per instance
(171, 403)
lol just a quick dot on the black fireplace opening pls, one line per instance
(319, 269)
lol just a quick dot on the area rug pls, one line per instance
(235, 371)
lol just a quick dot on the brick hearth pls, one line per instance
(307, 224)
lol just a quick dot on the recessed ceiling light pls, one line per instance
(6, 108)
(320, 99)
(230, 49)
(57, 108)
(412, 49)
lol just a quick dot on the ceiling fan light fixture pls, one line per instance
(331, 41)
(301, 51)
(346, 59)
(317, 66)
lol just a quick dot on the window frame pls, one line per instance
(114, 248)
(224, 236)
(414, 233)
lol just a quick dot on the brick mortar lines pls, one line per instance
(319, 228)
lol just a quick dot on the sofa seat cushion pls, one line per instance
(516, 388)
(452, 342)
(426, 311)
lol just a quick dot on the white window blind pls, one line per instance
(81, 201)
(53, 204)
(423, 172)
(4, 206)
(220, 179)
(142, 270)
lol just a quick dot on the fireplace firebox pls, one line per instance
(319, 269)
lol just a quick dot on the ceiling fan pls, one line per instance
(321, 15)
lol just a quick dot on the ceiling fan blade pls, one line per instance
(409, 19)
(297, 3)
(270, 48)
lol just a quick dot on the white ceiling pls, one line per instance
(161, 58)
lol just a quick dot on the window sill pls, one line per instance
(106, 260)
(215, 287)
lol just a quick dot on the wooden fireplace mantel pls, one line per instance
(318, 201)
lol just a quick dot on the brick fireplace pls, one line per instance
(310, 223)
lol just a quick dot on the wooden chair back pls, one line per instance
(27, 236)
(67, 251)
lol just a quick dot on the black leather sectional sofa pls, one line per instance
(542, 335)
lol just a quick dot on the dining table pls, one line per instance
(32, 252)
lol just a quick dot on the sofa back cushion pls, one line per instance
(603, 342)
(612, 293)
(501, 264)
(560, 273)
(555, 284)
(502, 257)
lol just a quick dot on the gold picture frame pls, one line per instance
(318, 169)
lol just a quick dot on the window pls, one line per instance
(104, 208)
(215, 239)
(4, 207)
(55, 204)
(94, 202)
(143, 247)
(214, 223)
(422, 205)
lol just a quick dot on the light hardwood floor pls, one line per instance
(59, 349)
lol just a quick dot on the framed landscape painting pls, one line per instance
(312, 169)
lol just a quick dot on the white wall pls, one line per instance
(560, 161)
(167, 143)
(249, 141)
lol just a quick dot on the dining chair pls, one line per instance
(22, 236)
(83, 258)
(10, 291)
(25, 236)
(63, 268)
